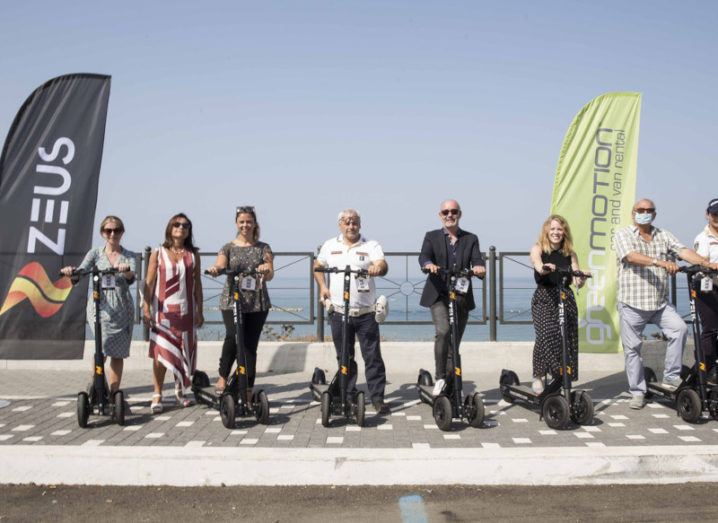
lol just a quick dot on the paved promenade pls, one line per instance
(40, 441)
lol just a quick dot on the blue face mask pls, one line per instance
(643, 218)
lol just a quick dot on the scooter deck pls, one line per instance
(524, 393)
(318, 389)
(207, 396)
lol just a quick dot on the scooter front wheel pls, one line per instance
(556, 411)
(474, 410)
(581, 407)
(689, 405)
(118, 405)
(83, 409)
(326, 408)
(360, 408)
(227, 411)
(442, 412)
(261, 407)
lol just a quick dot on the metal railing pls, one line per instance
(295, 296)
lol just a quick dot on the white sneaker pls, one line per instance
(438, 387)
(537, 386)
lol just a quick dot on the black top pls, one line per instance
(551, 279)
(436, 249)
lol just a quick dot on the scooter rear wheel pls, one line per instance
(319, 378)
(581, 407)
(650, 376)
(442, 412)
(118, 404)
(326, 408)
(556, 411)
(261, 407)
(227, 411)
(83, 409)
(200, 379)
(688, 404)
(426, 381)
(474, 409)
(360, 408)
(509, 378)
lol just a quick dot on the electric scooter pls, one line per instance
(450, 404)
(694, 395)
(558, 404)
(335, 398)
(232, 401)
(96, 399)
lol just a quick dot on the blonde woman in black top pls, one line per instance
(552, 250)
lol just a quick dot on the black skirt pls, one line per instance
(547, 348)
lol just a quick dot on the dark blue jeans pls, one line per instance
(366, 329)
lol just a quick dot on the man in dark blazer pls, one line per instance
(448, 247)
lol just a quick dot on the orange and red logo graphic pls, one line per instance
(32, 283)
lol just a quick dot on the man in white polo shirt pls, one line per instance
(351, 248)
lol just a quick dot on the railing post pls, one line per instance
(492, 293)
(674, 293)
(145, 264)
(320, 305)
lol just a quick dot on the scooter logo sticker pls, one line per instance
(457, 370)
(32, 283)
(702, 366)
(242, 370)
(98, 370)
(345, 370)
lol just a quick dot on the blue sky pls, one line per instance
(304, 108)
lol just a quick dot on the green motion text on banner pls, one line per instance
(594, 190)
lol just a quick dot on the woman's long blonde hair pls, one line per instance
(545, 244)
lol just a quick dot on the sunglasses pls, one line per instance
(645, 210)
(453, 212)
(245, 208)
(182, 225)
(110, 230)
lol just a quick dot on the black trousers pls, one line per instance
(253, 324)
(707, 307)
(366, 329)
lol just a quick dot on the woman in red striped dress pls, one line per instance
(174, 290)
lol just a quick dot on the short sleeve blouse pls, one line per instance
(246, 259)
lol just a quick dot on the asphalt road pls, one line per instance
(684, 502)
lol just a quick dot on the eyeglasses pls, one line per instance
(453, 212)
(183, 225)
(643, 210)
(110, 230)
(351, 222)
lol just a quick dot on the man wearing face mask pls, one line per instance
(646, 256)
(449, 247)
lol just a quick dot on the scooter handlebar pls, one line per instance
(346, 270)
(84, 272)
(232, 274)
(571, 272)
(459, 273)
(696, 269)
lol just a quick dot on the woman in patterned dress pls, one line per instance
(554, 249)
(116, 305)
(246, 253)
(172, 307)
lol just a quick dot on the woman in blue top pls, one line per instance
(116, 305)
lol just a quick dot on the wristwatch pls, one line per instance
(655, 262)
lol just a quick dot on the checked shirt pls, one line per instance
(644, 288)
